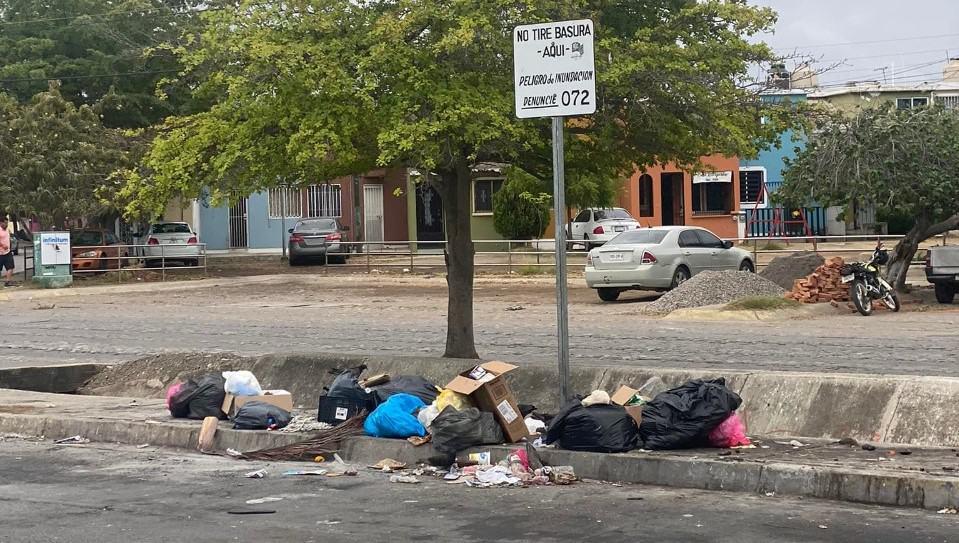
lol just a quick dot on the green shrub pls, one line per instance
(521, 208)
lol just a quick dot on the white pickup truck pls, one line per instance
(942, 270)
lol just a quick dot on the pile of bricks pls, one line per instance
(822, 286)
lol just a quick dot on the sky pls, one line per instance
(909, 39)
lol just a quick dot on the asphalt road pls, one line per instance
(104, 494)
(514, 320)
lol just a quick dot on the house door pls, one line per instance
(373, 213)
(673, 199)
(429, 214)
(238, 223)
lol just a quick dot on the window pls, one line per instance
(751, 186)
(583, 216)
(284, 202)
(111, 239)
(708, 239)
(612, 214)
(712, 198)
(688, 238)
(170, 228)
(86, 238)
(909, 103)
(324, 200)
(639, 237)
(645, 195)
(317, 225)
(483, 191)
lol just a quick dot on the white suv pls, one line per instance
(595, 226)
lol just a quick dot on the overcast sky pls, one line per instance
(912, 38)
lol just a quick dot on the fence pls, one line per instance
(127, 260)
(762, 223)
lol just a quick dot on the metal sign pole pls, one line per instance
(559, 218)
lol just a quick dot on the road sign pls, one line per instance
(554, 69)
(555, 76)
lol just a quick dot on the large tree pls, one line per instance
(311, 89)
(55, 157)
(906, 162)
(108, 55)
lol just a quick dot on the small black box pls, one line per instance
(335, 411)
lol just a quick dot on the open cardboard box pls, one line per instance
(492, 393)
(279, 398)
(623, 395)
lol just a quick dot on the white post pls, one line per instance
(559, 212)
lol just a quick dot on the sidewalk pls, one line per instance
(914, 476)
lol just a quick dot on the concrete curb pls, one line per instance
(842, 484)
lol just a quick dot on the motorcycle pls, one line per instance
(865, 284)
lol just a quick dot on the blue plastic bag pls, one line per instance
(396, 418)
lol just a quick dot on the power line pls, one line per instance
(92, 76)
(870, 42)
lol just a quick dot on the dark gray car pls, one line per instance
(320, 239)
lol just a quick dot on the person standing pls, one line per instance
(6, 254)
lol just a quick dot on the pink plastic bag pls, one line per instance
(171, 392)
(730, 433)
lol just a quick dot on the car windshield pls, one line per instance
(170, 228)
(80, 239)
(639, 237)
(315, 225)
(608, 214)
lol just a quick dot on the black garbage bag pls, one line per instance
(455, 430)
(346, 386)
(682, 418)
(597, 428)
(255, 415)
(406, 384)
(200, 397)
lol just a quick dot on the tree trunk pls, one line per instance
(456, 192)
(905, 251)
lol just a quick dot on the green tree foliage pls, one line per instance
(522, 206)
(55, 157)
(904, 162)
(310, 89)
(82, 42)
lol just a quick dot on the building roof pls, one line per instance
(875, 87)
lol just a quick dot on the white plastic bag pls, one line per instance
(241, 383)
(427, 414)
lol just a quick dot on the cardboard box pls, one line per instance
(279, 398)
(623, 395)
(493, 394)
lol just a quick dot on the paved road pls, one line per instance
(386, 314)
(118, 494)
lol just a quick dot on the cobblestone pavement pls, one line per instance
(514, 320)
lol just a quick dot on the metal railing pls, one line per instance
(132, 259)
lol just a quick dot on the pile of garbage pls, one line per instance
(714, 288)
(520, 468)
(233, 395)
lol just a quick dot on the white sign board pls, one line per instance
(553, 69)
(713, 177)
(55, 248)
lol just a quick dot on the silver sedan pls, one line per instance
(660, 258)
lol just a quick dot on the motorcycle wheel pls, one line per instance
(859, 295)
(892, 301)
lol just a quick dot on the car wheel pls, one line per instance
(294, 261)
(680, 276)
(945, 293)
(608, 294)
(586, 243)
(747, 266)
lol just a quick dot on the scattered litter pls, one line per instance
(409, 479)
(258, 474)
(868, 447)
(148, 421)
(328, 522)
(144, 446)
(948, 511)
(560, 475)
(234, 453)
(535, 426)
(481, 458)
(305, 423)
(411, 501)
(268, 499)
(418, 441)
(794, 443)
(905, 453)
(770, 494)
(687, 515)
(496, 476)
(251, 511)
(306, 472)
(515, 308)
(824, 527)
(72, 440)
(388, 465)
(453, 474)
(319, 459)
(848, 441)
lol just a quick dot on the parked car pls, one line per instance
(942, 270)
(172, 242)
(318, 238)
(597, 226)
(92, 249)
(660, 258)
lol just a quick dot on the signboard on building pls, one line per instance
(713, 177)
(554, 69)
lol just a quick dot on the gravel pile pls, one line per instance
(712, 288)
(784, 270)
(305, 423)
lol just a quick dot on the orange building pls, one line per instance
(667, 196)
